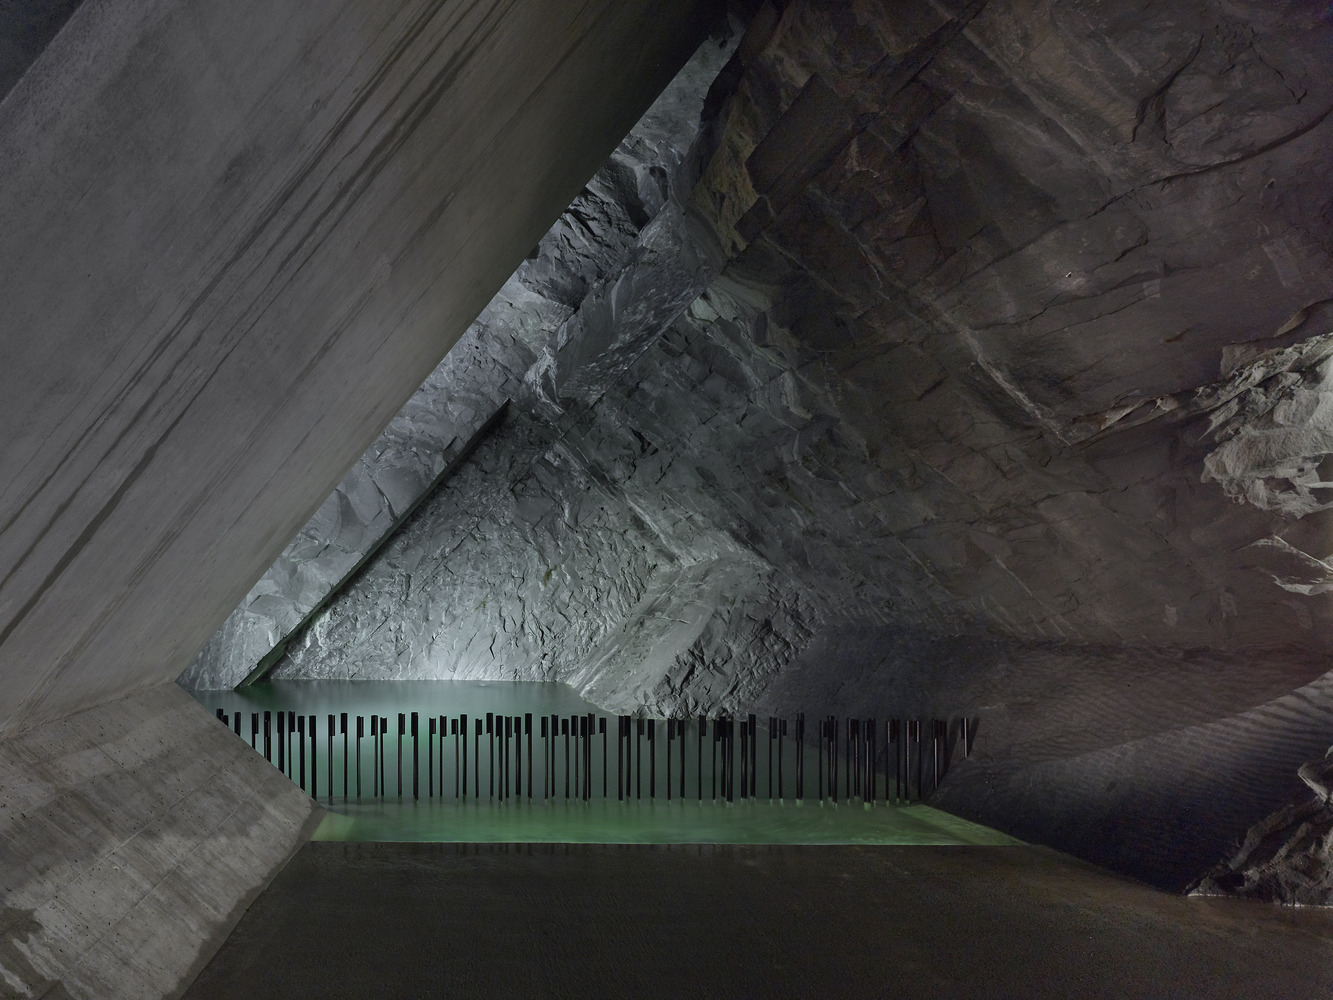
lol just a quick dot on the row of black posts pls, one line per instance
(850, 757)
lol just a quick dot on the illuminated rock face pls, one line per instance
(561, 319)
(1002, 390)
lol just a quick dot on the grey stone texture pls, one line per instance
(566, 322)
(1287, 857)
(1006, 394)
(135, 835)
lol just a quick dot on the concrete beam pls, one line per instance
(235, 239)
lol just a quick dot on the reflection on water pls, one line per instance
(612, 822)
(539, 809)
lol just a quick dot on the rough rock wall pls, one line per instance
(572, 312)
(1007, 394)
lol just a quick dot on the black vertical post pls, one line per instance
(744, 759)
(833, 757)
(772, 735)
(342, 721)
(506, 733)
(552, 747)
(222, 716)
(703, 723)
(546, 758)
(462, 728)
(894, 737)
(402, 730)
(920, 763)
(935, 751)
(606, 764)
(906, 739)
(717, 737)
(871, 760)
(800, 755)
(268, 737)
(375, 756)
(430, 760)
(314, 759)
(490, 742)
(671, 735)
(754, 756)
(587, 750)
(823, 732)
(578, 754)
(476, 759)
(516, 761)
(680, 731)
(586, 728)
(237, 720)
(282, 741)
(620, 758)
(782, 731)
(652, 759)
(564, 731)
(458, 768)
(518, 757)
(729, 762)
(360, 732)
(254, 730)
(638, 758)
(527, 725)
(300, 742)
(852, 762)
(331, 734)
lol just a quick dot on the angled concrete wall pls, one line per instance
(236, 239)
(135, 834)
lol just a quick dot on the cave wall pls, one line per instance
(1005, 394)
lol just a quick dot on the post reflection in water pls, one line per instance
(884, 768)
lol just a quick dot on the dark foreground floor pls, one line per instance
(445, 920)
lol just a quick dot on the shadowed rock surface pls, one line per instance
(973, 356)
(1004, 395)
(1286, 857)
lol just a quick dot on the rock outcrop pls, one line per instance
(978, 362)
(573, 312)
(1286, 857)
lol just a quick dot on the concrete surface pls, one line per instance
(132, 837)
(236, 238)
(394, 920)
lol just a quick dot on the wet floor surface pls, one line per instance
(395, 920)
